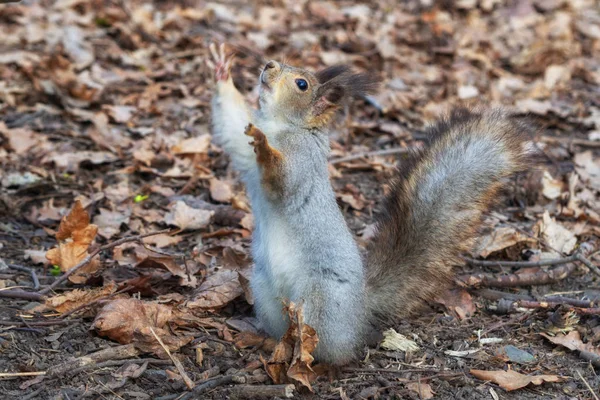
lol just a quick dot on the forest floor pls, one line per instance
(105, 125)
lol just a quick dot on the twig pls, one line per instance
(520, 264)
(588, 263)
(112, 353)
(263, 391)
(567, 141)
(188, 382)
(549, 301)
(385, 152)
(514, 280)
(210, 384)
(39, 323)
(587, 385)
(34, 278)
(89, 258)
(13, 374)
(21, 294)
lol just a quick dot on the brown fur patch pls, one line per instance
(269, 159)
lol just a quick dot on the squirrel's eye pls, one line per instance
(302, 84)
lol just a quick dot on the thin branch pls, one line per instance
(588, 264)
(34, 278)
(89, 258)
(513, 280)
(520, 264)
(385, 152)
(21, 294)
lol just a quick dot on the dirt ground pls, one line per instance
(108, 103)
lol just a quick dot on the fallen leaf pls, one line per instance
(422, 389)
(109, 222)
(458, 302)
(78, 297)
(75, 235)
(393, 340)
(195, 145)
(500, 239)
(292, 357)
(512, 380)
(131, 320)
(557, 236)
(186, 217)
(551, 188)
(220, 191)
(572, 341)
(185, 269)
(219, 289)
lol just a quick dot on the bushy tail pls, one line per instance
(435, 207)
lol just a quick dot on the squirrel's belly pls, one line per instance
(281, 256)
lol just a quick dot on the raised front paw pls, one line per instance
(220, 62)
(260, 140)
(265, 154)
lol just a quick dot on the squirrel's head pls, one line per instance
(308, 99)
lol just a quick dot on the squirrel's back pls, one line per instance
(436, 204)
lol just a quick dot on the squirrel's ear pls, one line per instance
(329, 98)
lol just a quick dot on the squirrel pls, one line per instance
(302, 248)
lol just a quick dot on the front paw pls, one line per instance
(220, 62)
(260, 141)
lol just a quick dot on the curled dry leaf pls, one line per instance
(396, 341)
(195, 145)
(129, 321)
(183, 268)
(557, 236)
(219, 288)
(572, 341)
(76, 298)
(551, 188)
(220, 191)
(512, 380)
(75, 235)
(292, 357)
(500, 239)
(458, 302)
(186, 217)
(422, 389)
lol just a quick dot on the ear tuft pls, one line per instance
(329, 73)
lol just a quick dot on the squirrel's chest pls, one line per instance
(277, 251)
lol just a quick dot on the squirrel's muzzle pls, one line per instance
(271, 70)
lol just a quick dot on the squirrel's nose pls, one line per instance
(271, 64)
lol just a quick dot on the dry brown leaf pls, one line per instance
(557, 236)
(250, 339)
(162, 240)
(551, 188)
(219, 288)
(184, 269)
(572, 341)
(220, 191)
(422, 389)
(21, 140)
(131, 321)
(75, 235)
(458, 302)
(292, 357)
(109, 222)
(588, 168)
(499, 239)
(195, 145)
(512, 380)
(186, 217)
(78, 297)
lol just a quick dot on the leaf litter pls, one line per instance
(106, 121)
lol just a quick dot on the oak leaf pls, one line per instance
(512, 380)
